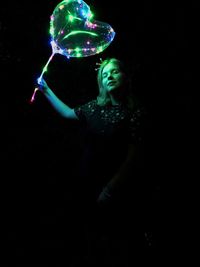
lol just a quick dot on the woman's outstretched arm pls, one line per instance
(63, 109)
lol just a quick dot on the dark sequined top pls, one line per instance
(109, 130)
(106, 121)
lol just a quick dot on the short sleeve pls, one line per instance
(137, 124)
(79, 113)
(83, 111)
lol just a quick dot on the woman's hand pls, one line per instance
(43, 86)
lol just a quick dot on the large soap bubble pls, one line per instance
(74, 32)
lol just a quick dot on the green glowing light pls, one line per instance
(91, 15)
(99, 49)
(79, 32)
(51, 31)
(71, 18)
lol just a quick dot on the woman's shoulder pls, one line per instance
(89, 103)
(86, 108)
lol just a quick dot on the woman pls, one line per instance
(114, 125)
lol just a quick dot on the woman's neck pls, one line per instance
(114, 101)
(117, 96)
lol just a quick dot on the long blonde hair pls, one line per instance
(103, 97)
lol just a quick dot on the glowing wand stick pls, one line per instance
(43, 71)
(55, 49)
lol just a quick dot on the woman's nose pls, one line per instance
(109, 76)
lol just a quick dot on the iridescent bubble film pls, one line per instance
(75, 33)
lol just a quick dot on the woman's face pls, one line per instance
(112, 77)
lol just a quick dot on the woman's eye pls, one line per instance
(112, 72)
(115, 71)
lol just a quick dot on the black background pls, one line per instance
(39, 150)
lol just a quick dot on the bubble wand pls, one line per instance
(74, 33)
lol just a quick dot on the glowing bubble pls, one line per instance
(75, 34)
